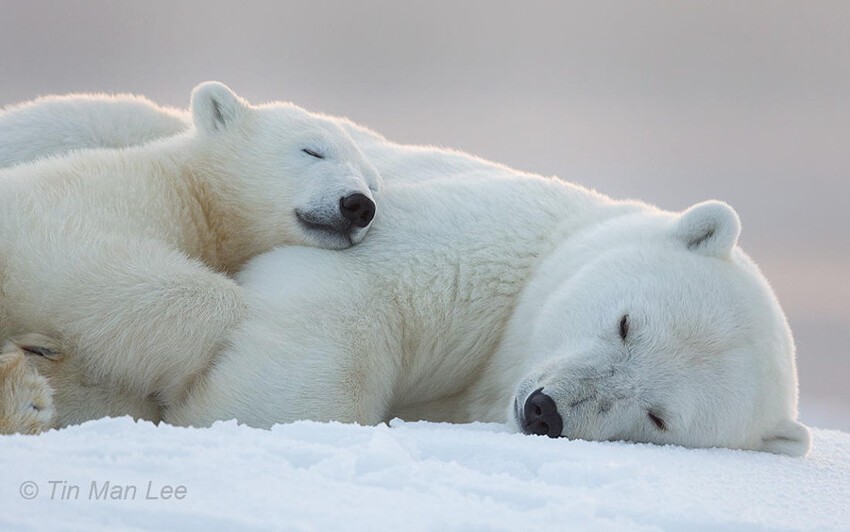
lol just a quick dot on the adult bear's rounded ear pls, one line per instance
(789, 438)
(710, 227)
(215, 107)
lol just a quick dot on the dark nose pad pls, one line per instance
(357, 209)
(540, 415)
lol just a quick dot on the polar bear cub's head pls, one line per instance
(304, 177)
(661, 330)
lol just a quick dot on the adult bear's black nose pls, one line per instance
(357, 209)
(540, 415)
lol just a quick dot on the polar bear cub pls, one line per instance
(124, 254)
(332, 202)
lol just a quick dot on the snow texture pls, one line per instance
(407, 476)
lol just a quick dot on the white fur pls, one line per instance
(480, 284)
(124, 254)
(420, 328)
(58, 124)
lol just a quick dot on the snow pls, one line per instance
(406, 476)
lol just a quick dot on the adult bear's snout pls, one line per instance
(540, 415)
(357, 209)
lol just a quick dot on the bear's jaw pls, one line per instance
(332, 234)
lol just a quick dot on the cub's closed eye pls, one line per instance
(311, 153)
(624, 327)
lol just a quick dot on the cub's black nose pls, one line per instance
(540, 415)
(357, 209)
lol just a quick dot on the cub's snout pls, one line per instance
(357, 209)
(342, 225)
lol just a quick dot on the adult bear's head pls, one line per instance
(658, 328)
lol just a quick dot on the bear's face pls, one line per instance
(303, 176)
(670, 335)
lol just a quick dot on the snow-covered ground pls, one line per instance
(410, 476)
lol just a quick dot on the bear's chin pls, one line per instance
(331, 234)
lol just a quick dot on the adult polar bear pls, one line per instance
(124, 254)
(486, 294)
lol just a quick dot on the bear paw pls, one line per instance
(26, 398)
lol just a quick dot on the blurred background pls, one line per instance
(668, 102)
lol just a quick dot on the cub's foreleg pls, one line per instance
(139, 316)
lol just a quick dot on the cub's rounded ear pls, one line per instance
(215, 107)
(710, 227)
(789, 438)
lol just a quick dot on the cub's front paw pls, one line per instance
(26, 398)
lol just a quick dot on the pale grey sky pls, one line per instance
(669, 102)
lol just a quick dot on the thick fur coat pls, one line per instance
(483, 293)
